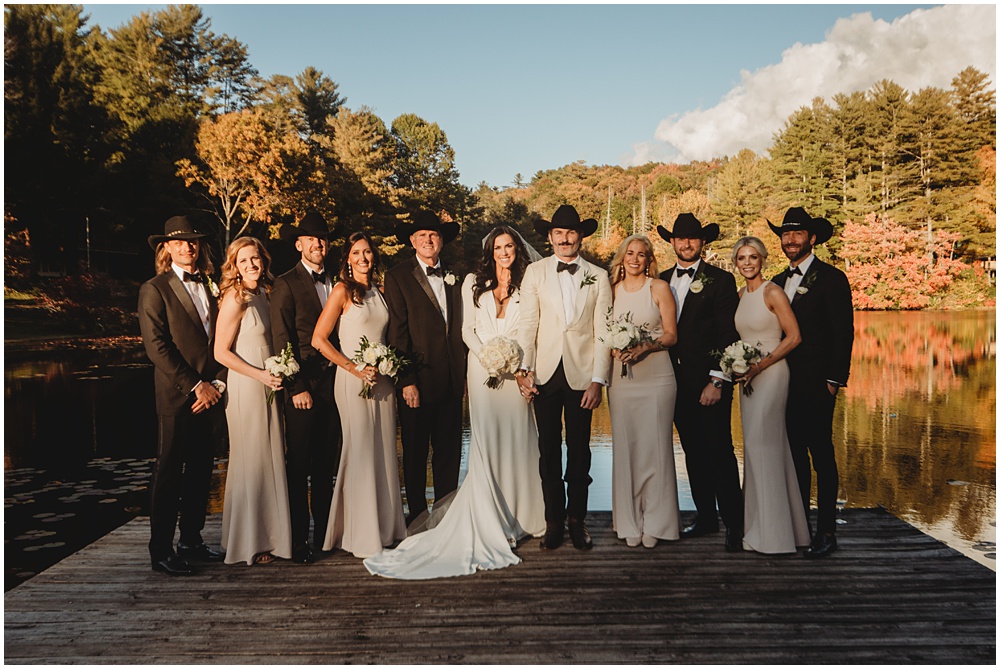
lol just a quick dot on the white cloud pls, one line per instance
(927, 47)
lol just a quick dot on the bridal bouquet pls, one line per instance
(282, 365)
(382, 357)
(624, 334)
(500, 356)
(736, 359)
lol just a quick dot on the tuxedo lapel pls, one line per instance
(421, 276)
(308, 289)
(185, 300)
(583, 291)
(807, 279)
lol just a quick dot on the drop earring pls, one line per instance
(350, 272)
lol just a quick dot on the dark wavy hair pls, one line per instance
(486, 273)
(355, 288)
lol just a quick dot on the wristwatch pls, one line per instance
(717, 382)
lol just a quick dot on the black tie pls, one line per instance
(435, 271)
(682, 272)
(319, 277)
(195, 278)
(794, 270)
(567, 267)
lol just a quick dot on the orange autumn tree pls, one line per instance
(892, 267)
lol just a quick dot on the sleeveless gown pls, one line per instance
(255, 516)
(367, 510)
(774, 521)
(500, 500)
(643, 480)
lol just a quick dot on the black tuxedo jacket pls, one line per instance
(295, 308)
(707, 323)
(824, 309)
(176, 342)
(418, 331)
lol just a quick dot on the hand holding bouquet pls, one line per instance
(384, 358)
(736, 360)
(623, 334)
(282, 365)
(500, 356)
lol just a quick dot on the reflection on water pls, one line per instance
(915, 432)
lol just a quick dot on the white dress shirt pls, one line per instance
(199, 295)
(795, 280)
(569, 284)
(682, 284)
(324, 287)
(437, 285)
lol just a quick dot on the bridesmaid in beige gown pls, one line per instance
(774, 520)
(367, 510)
(644, 504)
(256, 525)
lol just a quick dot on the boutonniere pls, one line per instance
(699, 283)
(212, 288)
(588, 280)
(806, 284)
(450, 278)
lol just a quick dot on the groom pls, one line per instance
(706, 312)
(821, 300)
(564, 304)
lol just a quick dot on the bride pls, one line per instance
(500, 501)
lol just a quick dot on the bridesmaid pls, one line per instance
(256, 526)
(367, 510)
(644, 504)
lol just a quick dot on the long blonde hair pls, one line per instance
(231, 278)
(162, 261)
(617, 270)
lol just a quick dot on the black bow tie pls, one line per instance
(567, 267)
(435, 271)
(794, 270)
(195, 278)
(685, 272)
(319, 277)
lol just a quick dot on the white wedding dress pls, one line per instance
(500, 500)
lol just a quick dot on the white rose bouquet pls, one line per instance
(736, 359)
(283, 365)
(500, 356)
(624, 334)
(384, 358)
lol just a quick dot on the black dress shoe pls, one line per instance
(822, 545)
(579, 534)
(554, 535)
(698, 529)
(734, 540)
(303, 554)
(200, 552)
(174, 566)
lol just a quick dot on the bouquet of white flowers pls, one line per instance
(384, 358)
(500, 356)
(283, 365)
(736, 359)
(624, 334)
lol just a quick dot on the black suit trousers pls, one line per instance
(184, 460)
(554, 402)
(312, 455)
(437, 424)
(809, 417)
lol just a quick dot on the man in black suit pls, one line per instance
(177, 311)
(425, 325)
(706, 309)
(312, 424)
(819, 366)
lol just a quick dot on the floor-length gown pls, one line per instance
(500, 500)
(643, 480)
(255, 516)
(774, 521)
(367, 510)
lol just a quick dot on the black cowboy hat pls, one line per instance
(567, 218)
(176, 227)
(796, 218)
(312, 225)
(688, 227)
(425, 219)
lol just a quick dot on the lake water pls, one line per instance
(915, 432)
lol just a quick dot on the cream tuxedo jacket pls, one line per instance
(547, 338)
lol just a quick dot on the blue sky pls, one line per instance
(522, 88)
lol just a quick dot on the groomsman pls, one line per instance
(425, 325)
(177, 311)
(312, 424)
(821, 300)
(564, 305)
(706, 311)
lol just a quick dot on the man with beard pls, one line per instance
(821, 300)
(706, 312)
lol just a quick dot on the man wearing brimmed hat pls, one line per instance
(819, 366)
(177, 311)
(312, 424)
(706, 312)
(564, 304)
(425, 325)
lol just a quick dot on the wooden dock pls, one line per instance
(890, 595)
